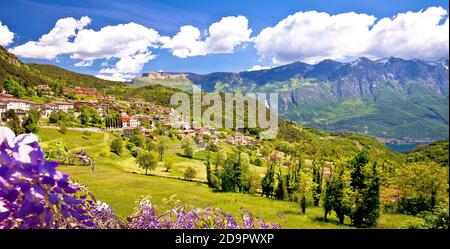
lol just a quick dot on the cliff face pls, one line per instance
(164, 76)
(9, 58)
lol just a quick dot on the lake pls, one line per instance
(402, 147)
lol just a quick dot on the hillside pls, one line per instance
(32, 74)
(389, 98)
(436, 151)
(56, 74)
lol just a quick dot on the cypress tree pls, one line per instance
(208, 169)
(372, 198)
(267, 183)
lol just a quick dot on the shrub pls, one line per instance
(168, 165)
(105, 152)
(63, 129)
(188, 146)
(189, 173)
(116, 146)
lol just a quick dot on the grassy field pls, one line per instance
(114, 182)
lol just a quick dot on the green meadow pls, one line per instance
(118, 182)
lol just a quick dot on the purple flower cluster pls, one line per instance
(182, 217)
(33, 194)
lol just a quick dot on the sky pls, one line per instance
(121, 39)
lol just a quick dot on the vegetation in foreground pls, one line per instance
(34, 194)
(121, 174)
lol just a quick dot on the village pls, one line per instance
(132, 116)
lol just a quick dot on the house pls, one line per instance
(202, 131)
(62, 106)
(186, 133)
(147, 133)
(125, 121)
(102, 109)
(17, 104)
(240, 139)
(148, 119)
(56, 106)
(21, 107)
(128, 121)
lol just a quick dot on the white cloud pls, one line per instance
(114, 41)
(222, 37)
(83, 64)
(127, 66)
(113, 77)
(258, 67)
(6, 36)
(129, 43)
(56, 42)
(312, 36)
(418, 35)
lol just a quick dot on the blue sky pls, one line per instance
(235, 50)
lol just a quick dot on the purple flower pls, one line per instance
(247, 219)
(29, 197)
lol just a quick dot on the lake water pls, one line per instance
(402, 147)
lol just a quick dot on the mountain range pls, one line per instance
(390, 98)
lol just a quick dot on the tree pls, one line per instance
(94, 116)
(221, 157)
(371, 199)
(253, 181)
(267, 183)
(338, 193)
(162, 144)
(227, 175)
(14, 122)
(306, 190)
(137, 140)
(317, 178)
(54, 117)
(208, 169)
(12, 87)
(63, 129)
(281, 190)
(84, 116)
(244, 165)
(422, 186)
(168, 165)
(116, 146)
(189, 173)
(30, 124)
(188, 146)
(366, 190)
(147, 160)
(58, 89)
